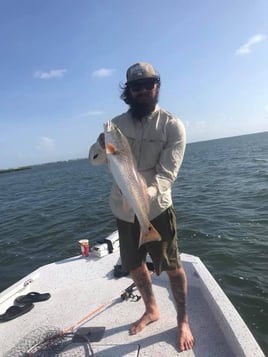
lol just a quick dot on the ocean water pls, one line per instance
(221, 200)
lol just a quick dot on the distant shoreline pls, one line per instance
(203, 141)
(5, 171)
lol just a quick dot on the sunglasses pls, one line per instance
(137, 86)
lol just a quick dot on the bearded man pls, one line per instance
(157, 140)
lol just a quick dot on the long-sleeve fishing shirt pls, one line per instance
(158, 144)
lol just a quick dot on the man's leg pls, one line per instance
(142, 279)
(178, 283)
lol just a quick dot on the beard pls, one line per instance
(142, 105)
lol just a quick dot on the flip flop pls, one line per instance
(31, 297)
(15, 311)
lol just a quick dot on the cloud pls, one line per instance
(246, 47)
(103, 72)
(53, 73)
(91, 113)
(46, 144)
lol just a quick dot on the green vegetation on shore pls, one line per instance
(16, 169)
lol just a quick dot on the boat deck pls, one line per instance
(79, 286)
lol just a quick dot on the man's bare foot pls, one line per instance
(186, 340)
(145, 320)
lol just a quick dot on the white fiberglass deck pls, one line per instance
(79, 285)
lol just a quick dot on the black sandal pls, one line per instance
(15, 311)
(30, 298)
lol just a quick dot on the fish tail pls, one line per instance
(148, 235)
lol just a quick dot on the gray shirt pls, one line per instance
(158, 144)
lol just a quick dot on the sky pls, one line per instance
(62, 63)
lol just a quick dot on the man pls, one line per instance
(157, 140)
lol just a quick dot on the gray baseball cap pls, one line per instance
(141, 70)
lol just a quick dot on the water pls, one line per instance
(221, 199)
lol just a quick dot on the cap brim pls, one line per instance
(141, 79)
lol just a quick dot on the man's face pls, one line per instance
(144, 96)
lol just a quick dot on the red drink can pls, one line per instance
(84, 246)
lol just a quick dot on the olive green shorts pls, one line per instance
(164, 254)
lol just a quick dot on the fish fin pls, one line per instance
(111, 149)
(149, 235)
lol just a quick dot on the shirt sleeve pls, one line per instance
(170, 159)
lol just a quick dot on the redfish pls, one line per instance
(131, 183)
